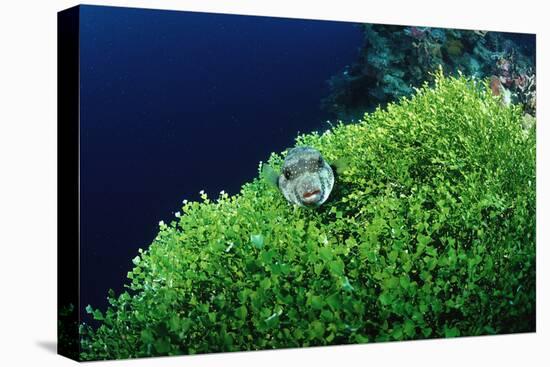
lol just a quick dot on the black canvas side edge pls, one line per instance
(68, 241)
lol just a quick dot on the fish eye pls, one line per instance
(286, 172)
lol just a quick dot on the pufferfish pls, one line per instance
(306, 179)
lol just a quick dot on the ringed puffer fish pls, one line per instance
(306, 179)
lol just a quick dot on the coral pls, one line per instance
(480, 33)
(416, 32)
(496, 86)
(394, 58)
(454, 47)
(438, 35)
(504, 71)
(525, 90)
(517, 79)
(429, 233)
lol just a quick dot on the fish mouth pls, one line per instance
(311, 197)
(311, 193)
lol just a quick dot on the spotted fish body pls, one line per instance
(306, 179)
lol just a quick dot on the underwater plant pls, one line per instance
(429, 233)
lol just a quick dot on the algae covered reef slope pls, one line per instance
(430, 232)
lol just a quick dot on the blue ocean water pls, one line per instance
(177, 102)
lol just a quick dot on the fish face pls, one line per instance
(306, 178)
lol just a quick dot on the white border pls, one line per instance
(28, 181)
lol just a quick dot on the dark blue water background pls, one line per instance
(175, 102)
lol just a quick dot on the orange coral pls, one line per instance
(496, 85)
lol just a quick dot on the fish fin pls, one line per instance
(269, 175)
(340, 165)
